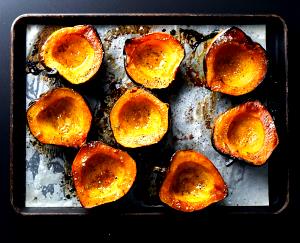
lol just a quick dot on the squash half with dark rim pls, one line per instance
(61, 117)
(102, 174)
(246, 132)
(139, 119)
(230, 63)
(192, 182)
(152, 60)
(75, 52)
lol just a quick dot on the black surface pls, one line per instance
(61, 228)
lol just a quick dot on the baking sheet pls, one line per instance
(193, 109)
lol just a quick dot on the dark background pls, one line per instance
(15, 228)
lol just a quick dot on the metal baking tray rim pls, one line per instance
(277, 209)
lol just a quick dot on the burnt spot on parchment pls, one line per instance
(121, 30)
(101, 129)
(189, 116)
(67, 183)
(183, 137)
(57, 165)
(47, 150)
(193, 65)
(193, 38)
(33, 164)
(206, 108)
(48, 189)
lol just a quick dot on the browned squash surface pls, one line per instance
(138, 119)
(60, 117)
(152, 60)
(234, 64)
(75, 52)
(102, 174)
(246, 132)
(192, 182)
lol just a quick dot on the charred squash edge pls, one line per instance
(168, 197)
(91, 35)
(246, 40)
(77, 142)
(268, 123)
(137, 40)
(113, 118)
(93, 148)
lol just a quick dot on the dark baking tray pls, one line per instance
(277, 91)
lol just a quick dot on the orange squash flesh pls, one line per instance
(139, 119)
(246, 132)
(192, 182)
(102, 174)
(60, 117)
(152, 60)
(234, 64)
(75, 52)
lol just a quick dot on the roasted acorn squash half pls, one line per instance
(233, 63)
(246, 132)
(153, 59)
(102, 174)
(60, 117)
(192, 182)
(139, 119)
(75, 52)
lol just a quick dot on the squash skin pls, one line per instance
(230, 63)
(60, 117)
(79, 45)
(152, 60)
(139, 119)
(192, 182)
(102, 174)
(247, 136)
